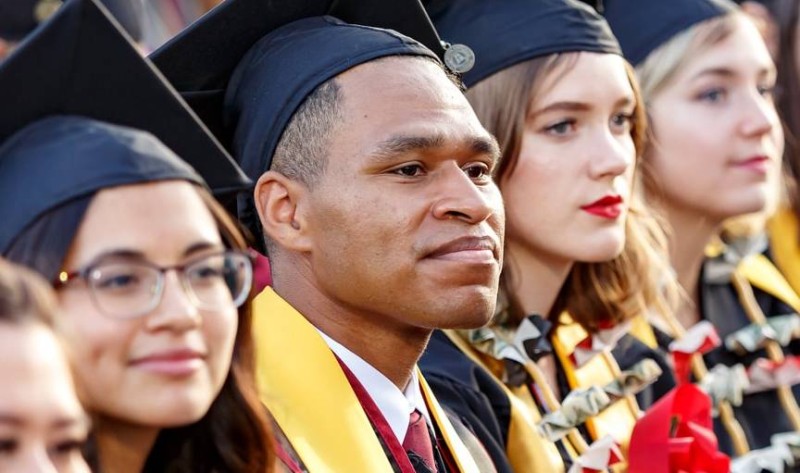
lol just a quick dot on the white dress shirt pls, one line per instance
(395, 405)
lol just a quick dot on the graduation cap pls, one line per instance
(641, 26)
(505, 33)
(20, 17)
(82, 111)
(278, 52)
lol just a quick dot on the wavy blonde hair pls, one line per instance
(631, 284)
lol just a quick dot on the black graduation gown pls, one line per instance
(760, 414)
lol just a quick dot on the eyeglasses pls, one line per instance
(129, 289)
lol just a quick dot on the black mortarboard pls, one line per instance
(507, 32)
(75, 72)
(20, 17)
(278, 52)
(641, 26)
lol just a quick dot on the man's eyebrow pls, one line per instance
(404, 144)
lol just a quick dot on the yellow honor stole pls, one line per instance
(301, 383)
(618, 419)
(527, 449)
(784, 237)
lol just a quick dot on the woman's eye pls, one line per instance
(561, 128)
(767, 91)
(622, 120)
(117, 281)
(409, 170)
(67, 447)
(715, 95)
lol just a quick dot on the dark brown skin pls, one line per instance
(403, 233)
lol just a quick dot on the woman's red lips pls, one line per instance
(609, 207)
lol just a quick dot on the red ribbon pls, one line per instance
(676, 436)
(682, 358)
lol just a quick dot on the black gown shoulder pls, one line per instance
(469, 393)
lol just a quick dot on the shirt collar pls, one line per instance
(395, 405)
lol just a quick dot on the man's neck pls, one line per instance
(390, 348)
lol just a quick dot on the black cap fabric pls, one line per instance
(503, 33)
(79, 63)
(20, 17)
(61, 158)
(274, 78)
(278, 52)
(641, 26)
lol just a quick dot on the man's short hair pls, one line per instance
(301, 153)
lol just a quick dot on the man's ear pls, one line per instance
(280, 203)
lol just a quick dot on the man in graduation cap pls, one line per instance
(375, 200)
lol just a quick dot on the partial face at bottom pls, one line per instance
(42, 424)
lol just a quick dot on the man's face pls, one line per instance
(406, 223)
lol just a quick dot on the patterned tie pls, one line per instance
(418, 440)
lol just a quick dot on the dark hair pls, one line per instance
(234, 435)
(786, 13)
(24, 296)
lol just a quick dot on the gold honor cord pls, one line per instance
(773, 349)
(575, 438)
(576, 444)
(699, 369)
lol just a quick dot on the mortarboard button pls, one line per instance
(506, 33)
(459, 58)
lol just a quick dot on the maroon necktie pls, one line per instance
(418, 440)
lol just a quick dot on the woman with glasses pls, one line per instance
(42, 424)
(152, 276)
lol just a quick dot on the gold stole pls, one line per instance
(618, 419)
(308, 395)
(784, 237)
(526, 448)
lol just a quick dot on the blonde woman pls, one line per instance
(707, 80)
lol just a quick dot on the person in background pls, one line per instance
(707, 79)
(18, 18)
(581, 257)
(42, 424)
(149, 269)
(375, 201)
(783, 228)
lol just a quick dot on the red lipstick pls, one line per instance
(609, 207)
